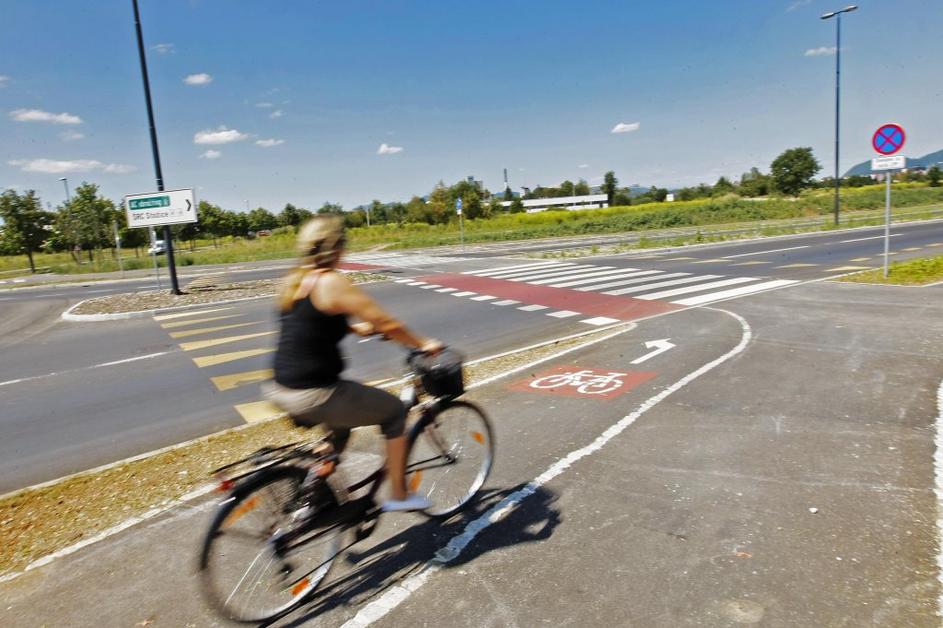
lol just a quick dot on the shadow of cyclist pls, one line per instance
(366, 571)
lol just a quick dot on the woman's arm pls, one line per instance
(334, 294)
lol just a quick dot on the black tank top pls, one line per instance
(308, 354)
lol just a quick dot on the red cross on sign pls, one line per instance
(579, 381)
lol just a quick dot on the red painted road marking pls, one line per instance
(578, 381)
(620, 307)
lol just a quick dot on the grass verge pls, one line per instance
(915, 272)
(39, 521)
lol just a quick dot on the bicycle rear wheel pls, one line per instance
(255, 566)
(450, 457)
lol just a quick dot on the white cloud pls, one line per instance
(163, 49)
(278, 113)
(37, 115)
(583, 166)
(624, 127)
(3, 80)
(264, 105)
(269, 143)
(211, 154)
(71, 136)
(821, 51)
(198, 79)
(796, 4)
(386, 149)
(59, 166)
(222, 135)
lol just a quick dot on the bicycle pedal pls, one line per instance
(365, 529)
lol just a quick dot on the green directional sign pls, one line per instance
(151, 202)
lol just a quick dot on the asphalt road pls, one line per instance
(774, 468)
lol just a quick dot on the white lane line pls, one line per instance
(396, 595)
(585, 274)
(484, 297)
(506, 302)
(600, 321)
(430, 286)
(606, 276)
(664, 294)
(938, 489)
(167, 317)
(446, 289)
(734, 292)
(791, 248)
(643, 277)
(466, 293)
(416, 283)
(563, 314)
(532, 308)
(403, 280)
(506, 269)
(84, 368)
(661, 284)
(893, 235)
(554, 273)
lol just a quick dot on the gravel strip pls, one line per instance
(37, 522)
(163, 299)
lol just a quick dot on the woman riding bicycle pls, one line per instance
(315, 302)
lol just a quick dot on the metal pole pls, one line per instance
(65, 182)
(114, 227)
(154, 255)
(461, 228)
(837, 110)
(887, 219)
(168, 237)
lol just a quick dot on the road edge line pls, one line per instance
(399, 593)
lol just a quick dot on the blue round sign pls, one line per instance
(889, 139)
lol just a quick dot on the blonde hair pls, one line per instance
(319, 244)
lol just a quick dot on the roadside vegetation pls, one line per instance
(79, 237)
(915, 272)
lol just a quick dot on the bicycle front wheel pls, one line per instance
(260, 559)
(450, 457)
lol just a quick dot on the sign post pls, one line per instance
(887, 140)
(461, 220)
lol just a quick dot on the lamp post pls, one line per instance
(65, 182)
(837, 15)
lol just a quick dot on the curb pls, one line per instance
(91, 318)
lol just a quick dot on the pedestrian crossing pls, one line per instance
(400, 260)
(678, 288)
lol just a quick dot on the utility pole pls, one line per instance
(837, 15)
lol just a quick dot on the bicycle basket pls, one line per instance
(442, 374)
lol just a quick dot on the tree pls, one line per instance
(25, 225)
(331, 208)
(261, 219)
(723, 186)
(566, 188)
(292, 216)
(609, 187)
(621, 198)
(213, 221)
(517, 206)
(85, 220)
(933, 176)
(754, 183)
(581, 188)
(794, 170)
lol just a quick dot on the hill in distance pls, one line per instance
(930, 159)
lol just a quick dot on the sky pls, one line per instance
(261, 103)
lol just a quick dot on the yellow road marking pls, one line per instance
(256, 411)
(222, 358)
(165, 317)
(912, 248)
(196, 321)
(860, 259)
(841, 269)
(710, 261)
(203, 344)
(235, 380)
(800, 265)
(209, 330)
(936, 244)
(754, 263)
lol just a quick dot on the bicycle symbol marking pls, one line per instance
(585, 381)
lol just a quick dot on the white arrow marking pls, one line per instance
(659, 346)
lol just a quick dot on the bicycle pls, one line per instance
(304, 519)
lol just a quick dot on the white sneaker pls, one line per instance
(412, 502)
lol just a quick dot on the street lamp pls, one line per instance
(828, 16)
(65, 181)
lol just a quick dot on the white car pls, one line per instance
(158, 248)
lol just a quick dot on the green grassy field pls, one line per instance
(916, 272)
(702, 212)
